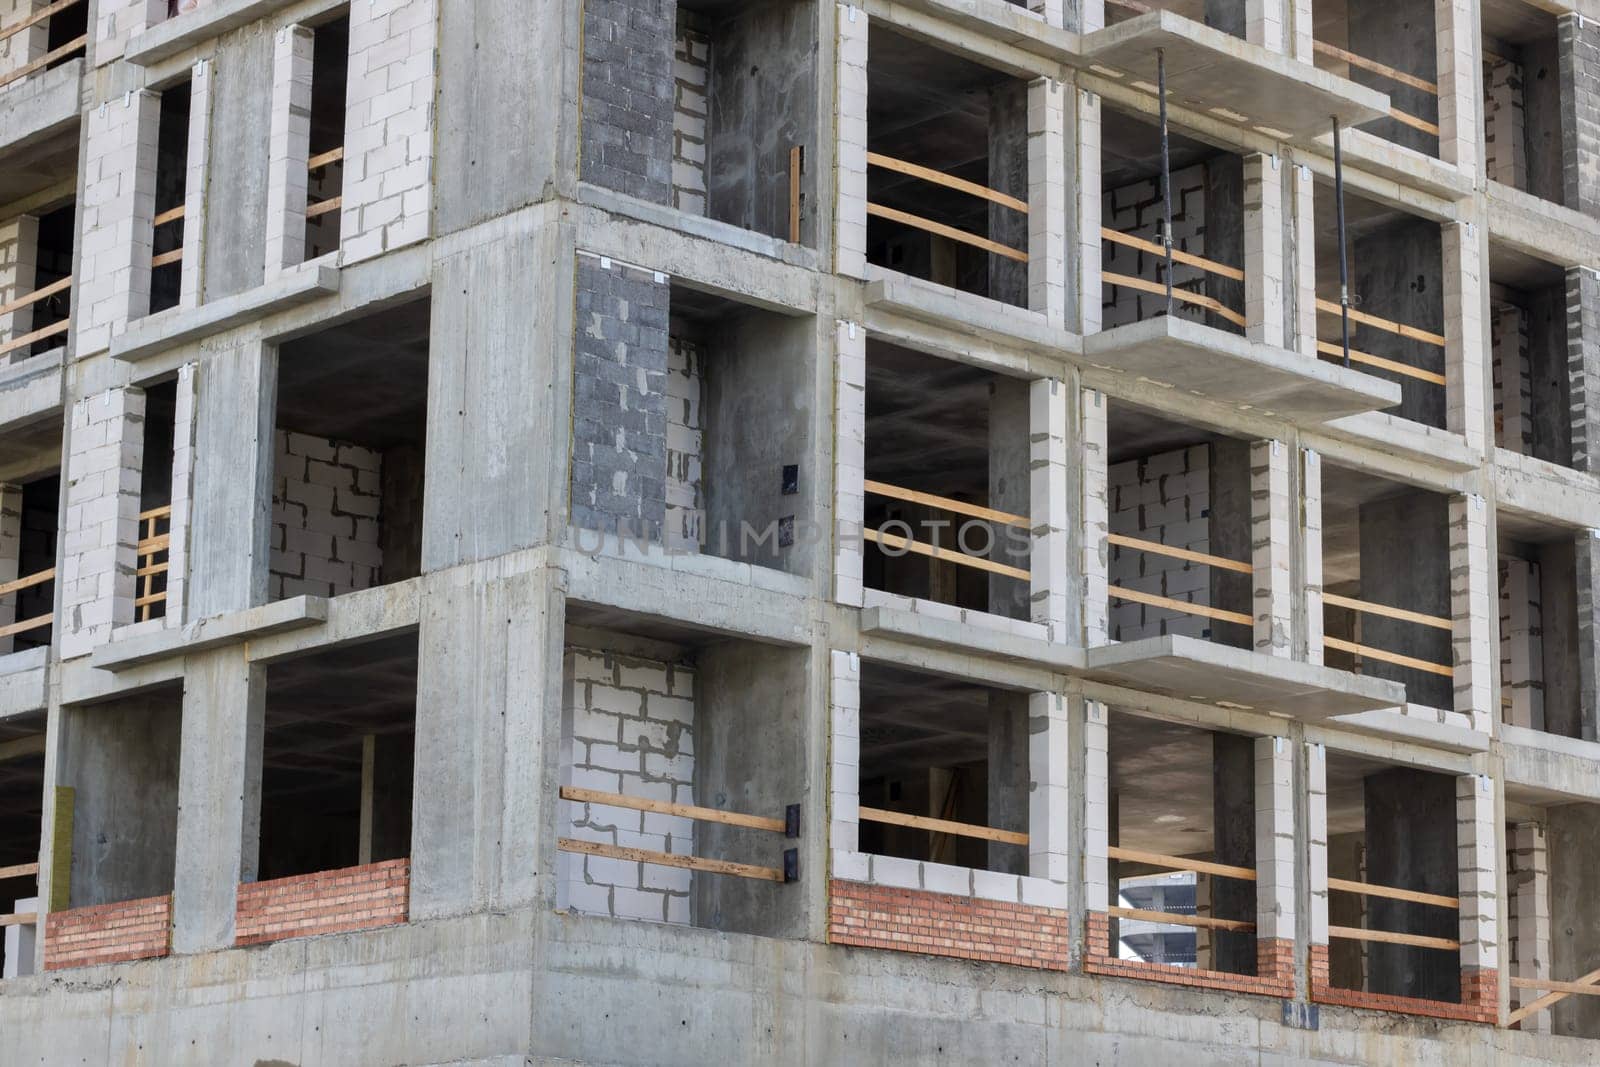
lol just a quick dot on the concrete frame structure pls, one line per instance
(520, 185)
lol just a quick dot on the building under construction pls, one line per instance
(799, 531)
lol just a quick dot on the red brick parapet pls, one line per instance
(1274, 975)
(328, 902)
(108, 933)
(1480, 995)
(940, 924)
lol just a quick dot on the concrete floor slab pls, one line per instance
(1189, 669)
(1231, 370)
(1220, 75)
(33, 110)
(158, 333)
(1544, 768)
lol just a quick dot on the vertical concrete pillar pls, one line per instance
(1528, 916)
(849, 458)
(1049, 824)
(1094, 516)
(112, 281)
(235, 410)
(1225, 235)
(1083, 243)
(1231, 528)
(219, 795)
(182, 518)
(1010, 454)
(1316, 861)
(1459, 71)
(1406, 563)
(488, 740)
(1009, 152)
(844, 704)
(1275, 907)
(1466, 340)
(1474, 610)
(1574, 913)
(19, 254)
(1271, 546)
(1309, 556)
(1552, 698)
(1411, 842)
(1233, 826)
(850, 119)
(1398, 34)
(1263, 249)
(1009, 777)
(1583, 364)
(1300, 258)
(1478, 863)
(1047, 200)
(289, 147)
(1578, 52)
(99, 544)
(1397, 274)
(1048, 506)
(191, 287)
(1586, 553)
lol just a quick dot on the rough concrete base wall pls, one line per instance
(523, 987)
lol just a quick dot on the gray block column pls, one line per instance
(1574, 914)
(1010, 450)
(1233, 825)
(1578, 64)
(1583, 366)
(219, 795)
(1411, 844)
(1586, 552)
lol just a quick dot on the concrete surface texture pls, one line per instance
(668, 531)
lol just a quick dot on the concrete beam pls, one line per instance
(217, 631)
(42, 105)
(162, 332)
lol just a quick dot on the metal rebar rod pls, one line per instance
(1166, 171)
(1344, 263)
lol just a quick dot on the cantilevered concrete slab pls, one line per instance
(39, 130)
(1228, 369)
(1218, 74)
(1548, 768)
(1186, 668)
(156, 333)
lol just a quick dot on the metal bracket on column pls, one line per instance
(791, 821)
(1344, 265)
(791, 865)
(1166, 172)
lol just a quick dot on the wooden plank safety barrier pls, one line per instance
(1168, 918)
(1210, 266)
(1374, 67)
(37, 295)
(1399, 329)
(153, 542)
(942, 826)
(17, 585)
(1588, 985)
(1197, 299)
(1438, 622)
(332, 155)
(1389, 937)
(1395, 658)
(789, 826)
(1410, 896)
(1155, 601)
(960, 507)
(322, 207)
(1328, 348)
(796, 167)
(960, 185)
(1157, 548)
(1178, 863)
(1392, 937)
(934, 552)
(45, 60)
(20, 918)
(36, 18)
(940, 229)
(27, 339)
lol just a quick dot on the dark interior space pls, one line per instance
(53, 264)
(1540, 630)
(40, 502)
(1523, 100)
(1529, 356)
(329, 70)
(1396, 49)
(21, 817)
(172, 176)
(155, 501)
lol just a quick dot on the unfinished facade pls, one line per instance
(799, 531)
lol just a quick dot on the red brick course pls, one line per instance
(108, 933)
(1480, 995)
(1274, 966)
(328, 902)
(938, 924)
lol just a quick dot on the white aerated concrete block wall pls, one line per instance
(1513, 378)
(686, 506)
(289, 147)
(19, 254)
(191, 286)
(1091, 455)
(1311, 551)
(326, 502)
(1479, 893)
(1528, 915)
(1263, 246)
(1096, 808)
(1271, 519)
(850, 191)
(632, 732)
(1047, 200)
(1505, 145)
(1472, 610)
(1317, 839)
(389, 115)
(183, 429)
(1275, 847)
(1083, 148)
(1051, 511)
(1136, 210)
(691, 76)
(1050, 788)
(112, 282)
(1521, 644)
(99, 542)
(118, 20)
(844, 697)
(1164, 498)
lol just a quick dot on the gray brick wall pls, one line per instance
(1579, 51)
(619, 424)
(628, 89)
(1583, 366)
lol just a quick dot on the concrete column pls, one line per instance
(849, 458)
(1300, 259)
(1083, 244)
(1010, 453)
(1574, 914)
(1309, 556)
(1398, 34)
(191, 287)
(1271, 546)
(1411, 841)
(1466, 340)
(1583, 365)
(1478, 862)
(1008, 156)
(1009, 784)
(183, 440)
(219, 795)
(19, 253)
(10, 556)
(1049, 507)
(99, 543)
(233, 457)
(1098, 819)
(1094, 516)
(488, 698)
(844, 781)
(1578, 52)
(1225, 235)
(1316, 860)
(850, 119)
(1275, 906)
(1263, 248)
(1048, 205)
(289, 147)
(1049, 823)
(1459, 71)
(1552, 698)
(1528, 917)
(1587, 572)
(1233, 827)
(1231, 529)
(1397, 274)
(1474, 611)
(1405, 563)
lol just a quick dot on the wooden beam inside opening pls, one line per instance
(1369, 608)
(21, 870)
(37, 295)
(1211, 266)
(961, 507)
(28, 582)
(170, 215)
(1373, 66)
(666, 807)
(166, 258)
(889, 540)
(45, 60)
(36, 18)
(1367, 359)
(24, 918)
(37, 335)
(1146, 286)
(1553, 997)
(1178, 863)
(942, 826)
(1399, 329)
(1160, 549)
(1154, 601)
(928, 225)
(27, 624)
(1395, 658)
(669, 859)
(1172, 919)
(960, 185)
(332, 155)
(1411, 896)
(321, 208)
(1389, 937)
